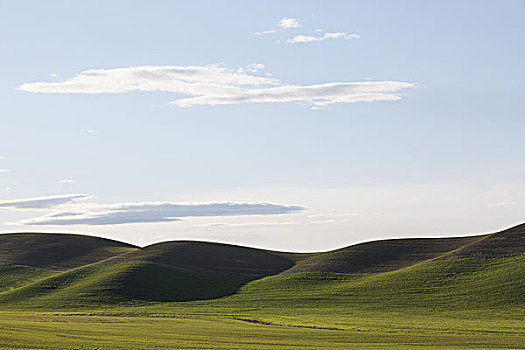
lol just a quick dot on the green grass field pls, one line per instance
(96, 332)
(459, 293)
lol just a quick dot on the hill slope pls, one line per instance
(462, 284)
(57, 251)
(381, 256)
(211, 259)
(172, 271)
(505, 243)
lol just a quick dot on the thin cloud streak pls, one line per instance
(67, 181)
(326, 36)
(501, 204)
(317, 95)
(45, 202)
(264, 32)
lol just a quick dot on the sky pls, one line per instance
(297, 125)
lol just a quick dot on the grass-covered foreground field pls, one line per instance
(117, 332)
(80, 292)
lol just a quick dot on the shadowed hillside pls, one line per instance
(505, 243)
(57, 251)
(109, 284)
(172, 271)
(381, 256)
(211, 259)
(14, 276)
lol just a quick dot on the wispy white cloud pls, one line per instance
(286, 23)
(126, 213)
(88, 131)
(317, 95)
(326, 36)
(264, 32)
(5, 188)
(67, 181)
(214, 85)
(191, 80)
(501, 204)
(45, 202)
(251, 68)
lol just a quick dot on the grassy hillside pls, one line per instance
(211, 259)
(173, 271)
(505, 243)
(110, 284)
(381, 256)
(165, 272)
(14, 276)
(465, 273)
(57, 251)
(462, 284)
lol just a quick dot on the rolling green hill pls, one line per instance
(75, 271)
(505, 243)
(381, 256)
(57, 251)
(211, 259)
(13, 276)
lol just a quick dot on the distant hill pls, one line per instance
(381, 256)
(57, 251)
(505, 243)
(211, 259)
(70, 271)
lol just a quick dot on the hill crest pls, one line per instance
(67, 251)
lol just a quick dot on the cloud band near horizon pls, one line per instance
(72, 213)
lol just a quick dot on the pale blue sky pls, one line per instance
(445, 158)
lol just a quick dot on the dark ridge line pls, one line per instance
(480, 235)
(270, 251)
(131, 245)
